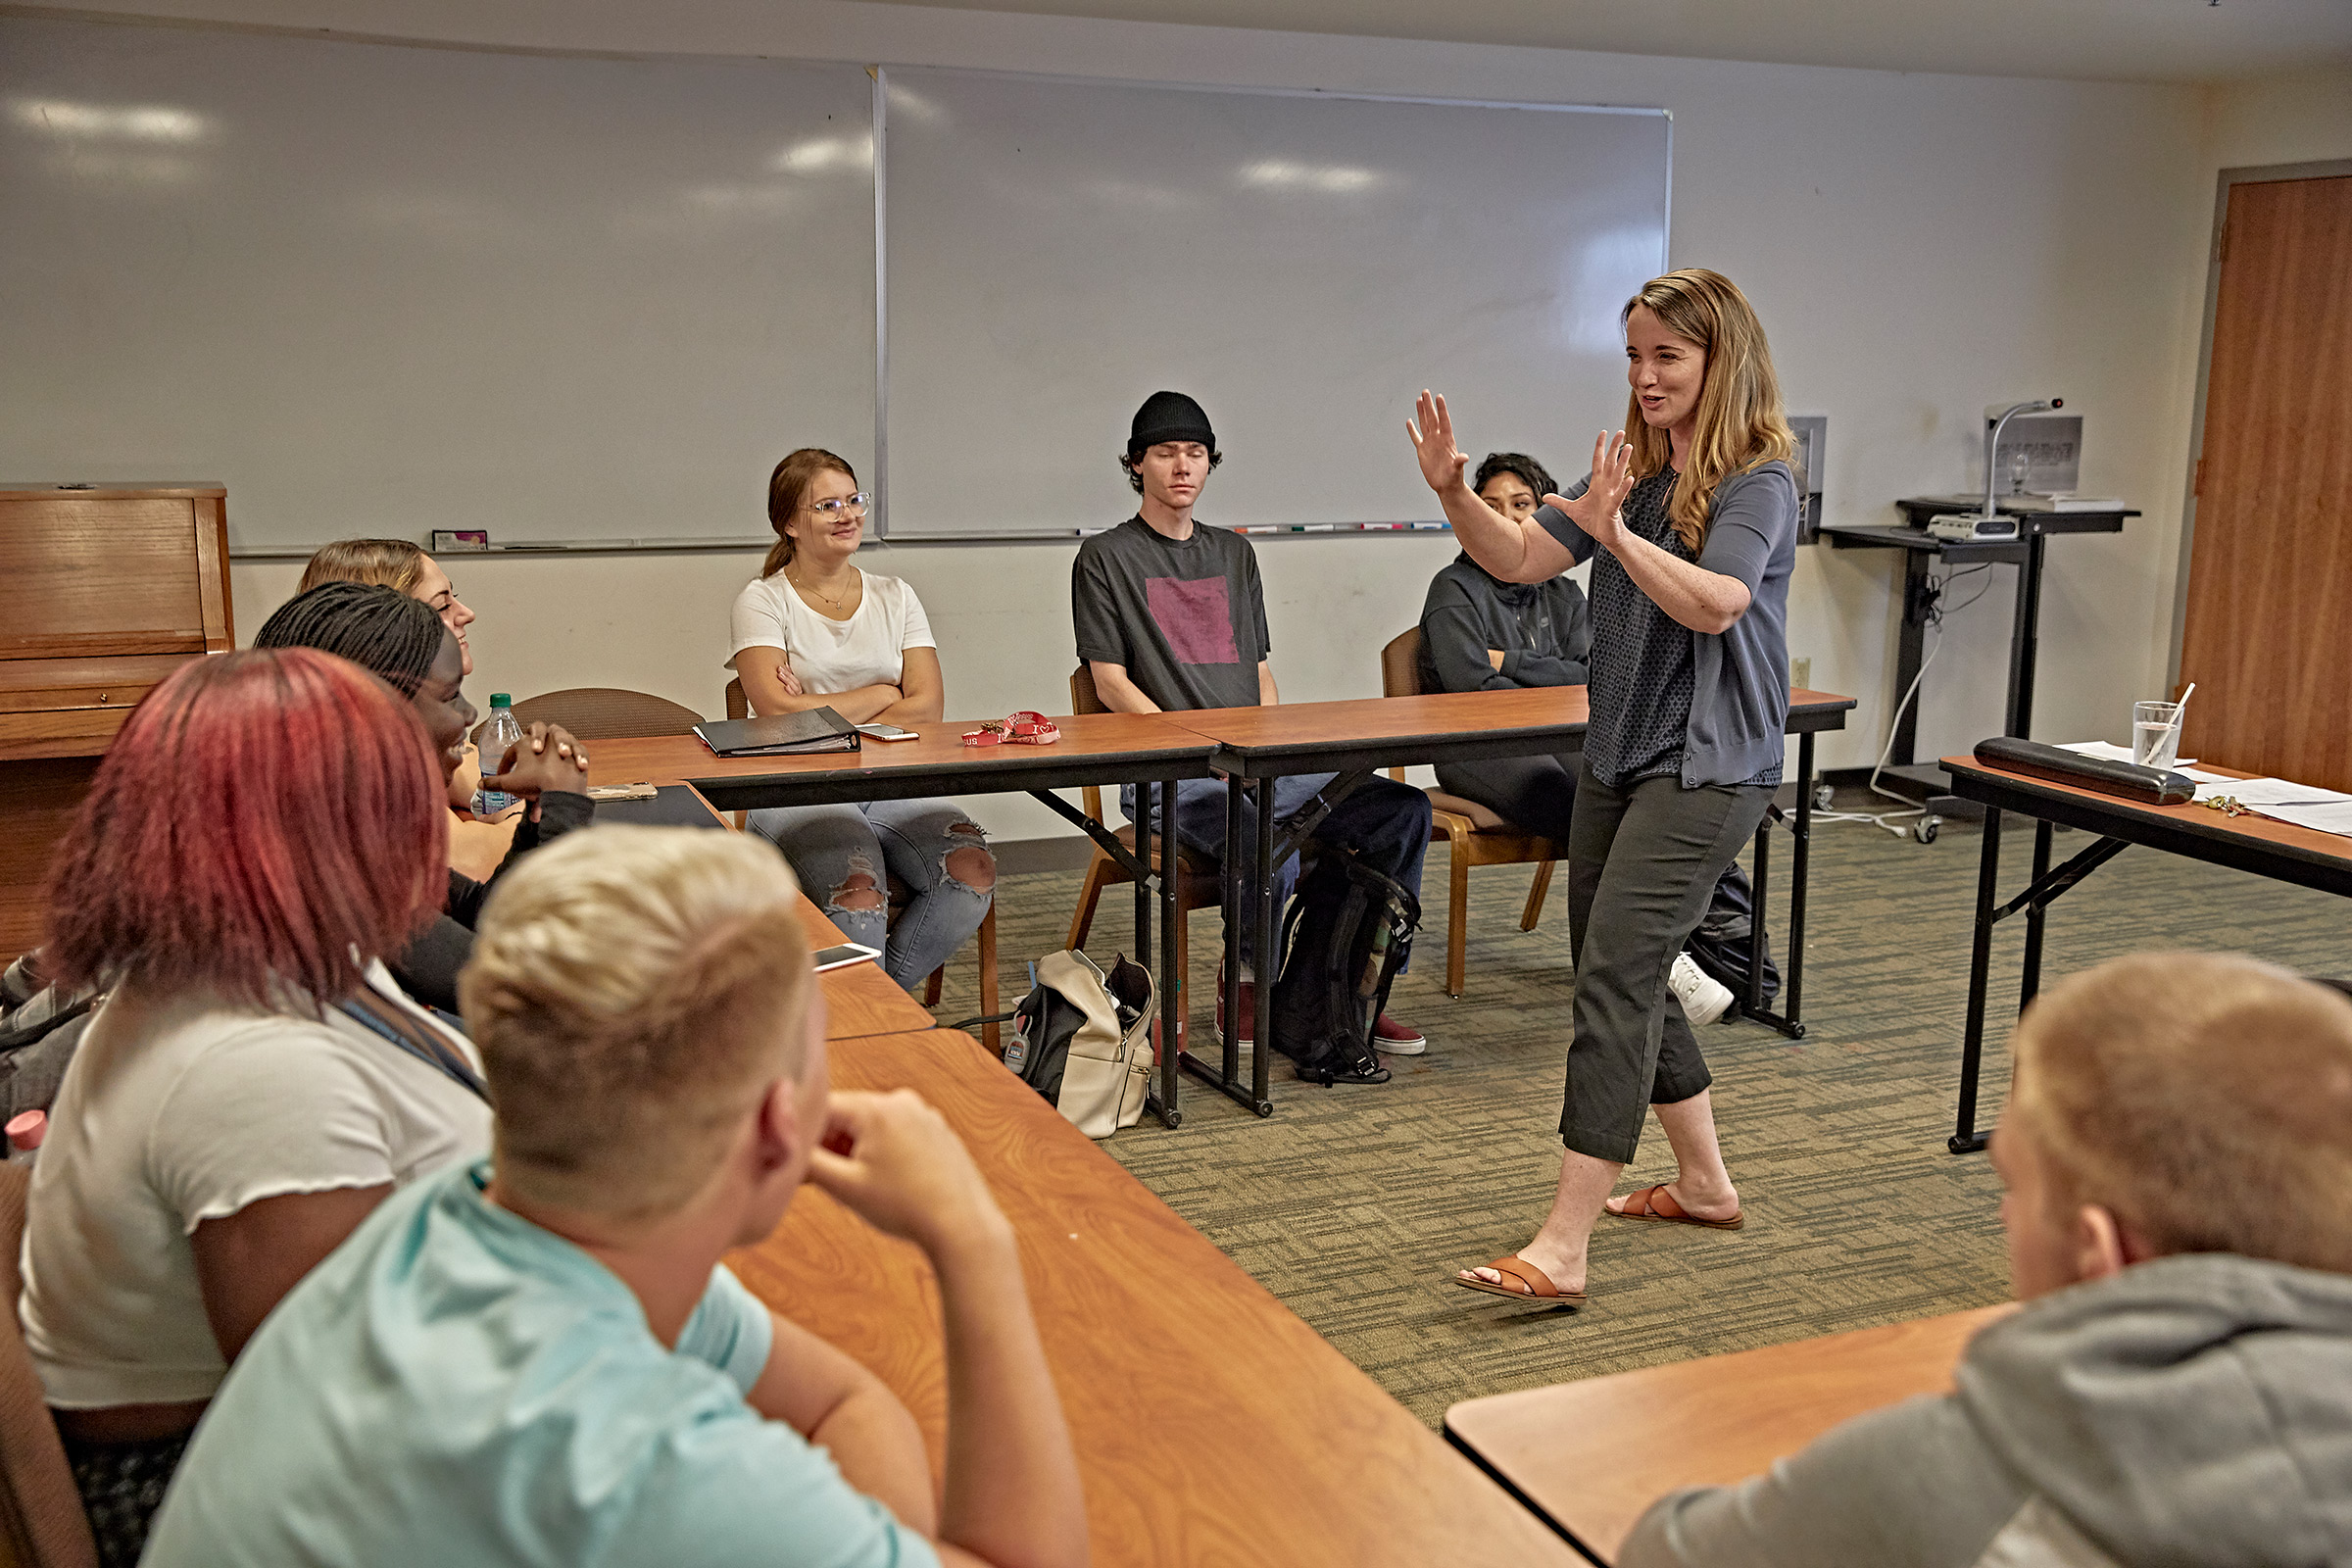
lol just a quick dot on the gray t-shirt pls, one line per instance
(1187, 620)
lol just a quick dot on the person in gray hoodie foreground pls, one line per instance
(2178, 1388)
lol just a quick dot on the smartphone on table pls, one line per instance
(887, 732)
(843, 953)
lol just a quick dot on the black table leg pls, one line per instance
(1173, 992)
(1965, 1138)
(1236, 911)
(2025, 637)
(1792, 973)
(2036, 915)
(1790, 1020)
(1142, 884)
(1759, 884)
(1239, 901)
(1265, 956)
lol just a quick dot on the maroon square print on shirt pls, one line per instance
(1195, 616)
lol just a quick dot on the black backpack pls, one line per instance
(1347, 932)
(1719, 947)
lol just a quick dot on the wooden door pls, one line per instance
(2267, 633)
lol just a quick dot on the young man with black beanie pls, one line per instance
(1171, 616)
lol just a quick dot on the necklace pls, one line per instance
(832, 601)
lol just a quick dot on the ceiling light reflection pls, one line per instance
(827, 155)
(1333, 178)
(153, 122)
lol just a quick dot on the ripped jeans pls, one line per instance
(846, 854)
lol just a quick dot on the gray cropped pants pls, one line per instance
(1643, 863)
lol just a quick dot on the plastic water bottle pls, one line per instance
(504, 731)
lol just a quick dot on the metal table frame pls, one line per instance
(1921, 550)
(1247, 767)
(2119, 824)
(1038, 777)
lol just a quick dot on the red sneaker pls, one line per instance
(1396, 1040)
(1249, 1029)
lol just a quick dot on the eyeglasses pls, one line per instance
(834, 508)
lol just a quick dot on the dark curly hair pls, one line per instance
(377, 628)
(1519, 463)
(1127, 466)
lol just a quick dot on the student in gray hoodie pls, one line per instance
(2177, 1387)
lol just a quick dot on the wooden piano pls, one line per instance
(104, 590)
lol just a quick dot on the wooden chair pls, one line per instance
(41, 1522)
(1197, 885)
(607, 712)
(901, 896)
(1473, 834)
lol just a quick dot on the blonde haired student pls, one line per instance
(541, 1361)
(2177, 1158)
(1691, 523)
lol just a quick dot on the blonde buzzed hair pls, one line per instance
(374, 563)
(2204, 1099)
(634, 989)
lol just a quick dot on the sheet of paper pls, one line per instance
(2264, 792)
(2328, 816)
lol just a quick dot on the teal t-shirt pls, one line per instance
(457, 1386)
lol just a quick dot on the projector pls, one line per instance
(1968, 525)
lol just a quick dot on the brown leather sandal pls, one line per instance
(1534, 1284)
(1657, 1203)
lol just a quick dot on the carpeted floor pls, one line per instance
(1353, 1204)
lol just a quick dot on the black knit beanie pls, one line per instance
(1168, 417)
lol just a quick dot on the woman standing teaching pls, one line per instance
(1691, 527)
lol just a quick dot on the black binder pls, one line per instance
(819, 730)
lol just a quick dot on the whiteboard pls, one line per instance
(1303, 263)
(379, 289)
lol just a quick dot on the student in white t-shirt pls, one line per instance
(265, 825)
(815, 631)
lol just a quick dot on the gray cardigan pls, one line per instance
(1739, 699)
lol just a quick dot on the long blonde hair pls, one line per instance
(382, 562)
(1741, 423)
(785, 489)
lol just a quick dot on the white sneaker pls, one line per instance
(1704, 1000)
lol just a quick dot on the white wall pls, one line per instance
(1918, 246)
(2283, 119)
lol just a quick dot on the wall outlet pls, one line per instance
(1801, 672)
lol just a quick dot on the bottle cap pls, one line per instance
(501, 700)
(26, 1129)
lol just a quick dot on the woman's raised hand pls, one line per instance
(1596, 510)
(1431, 433)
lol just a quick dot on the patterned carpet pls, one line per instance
(1354, 1204)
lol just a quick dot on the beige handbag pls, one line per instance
(1083, 1040)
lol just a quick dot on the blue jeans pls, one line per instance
(1385, 823)
(844, 855)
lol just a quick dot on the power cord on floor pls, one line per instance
(1935, 612)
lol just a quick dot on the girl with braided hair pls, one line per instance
(402, 642)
